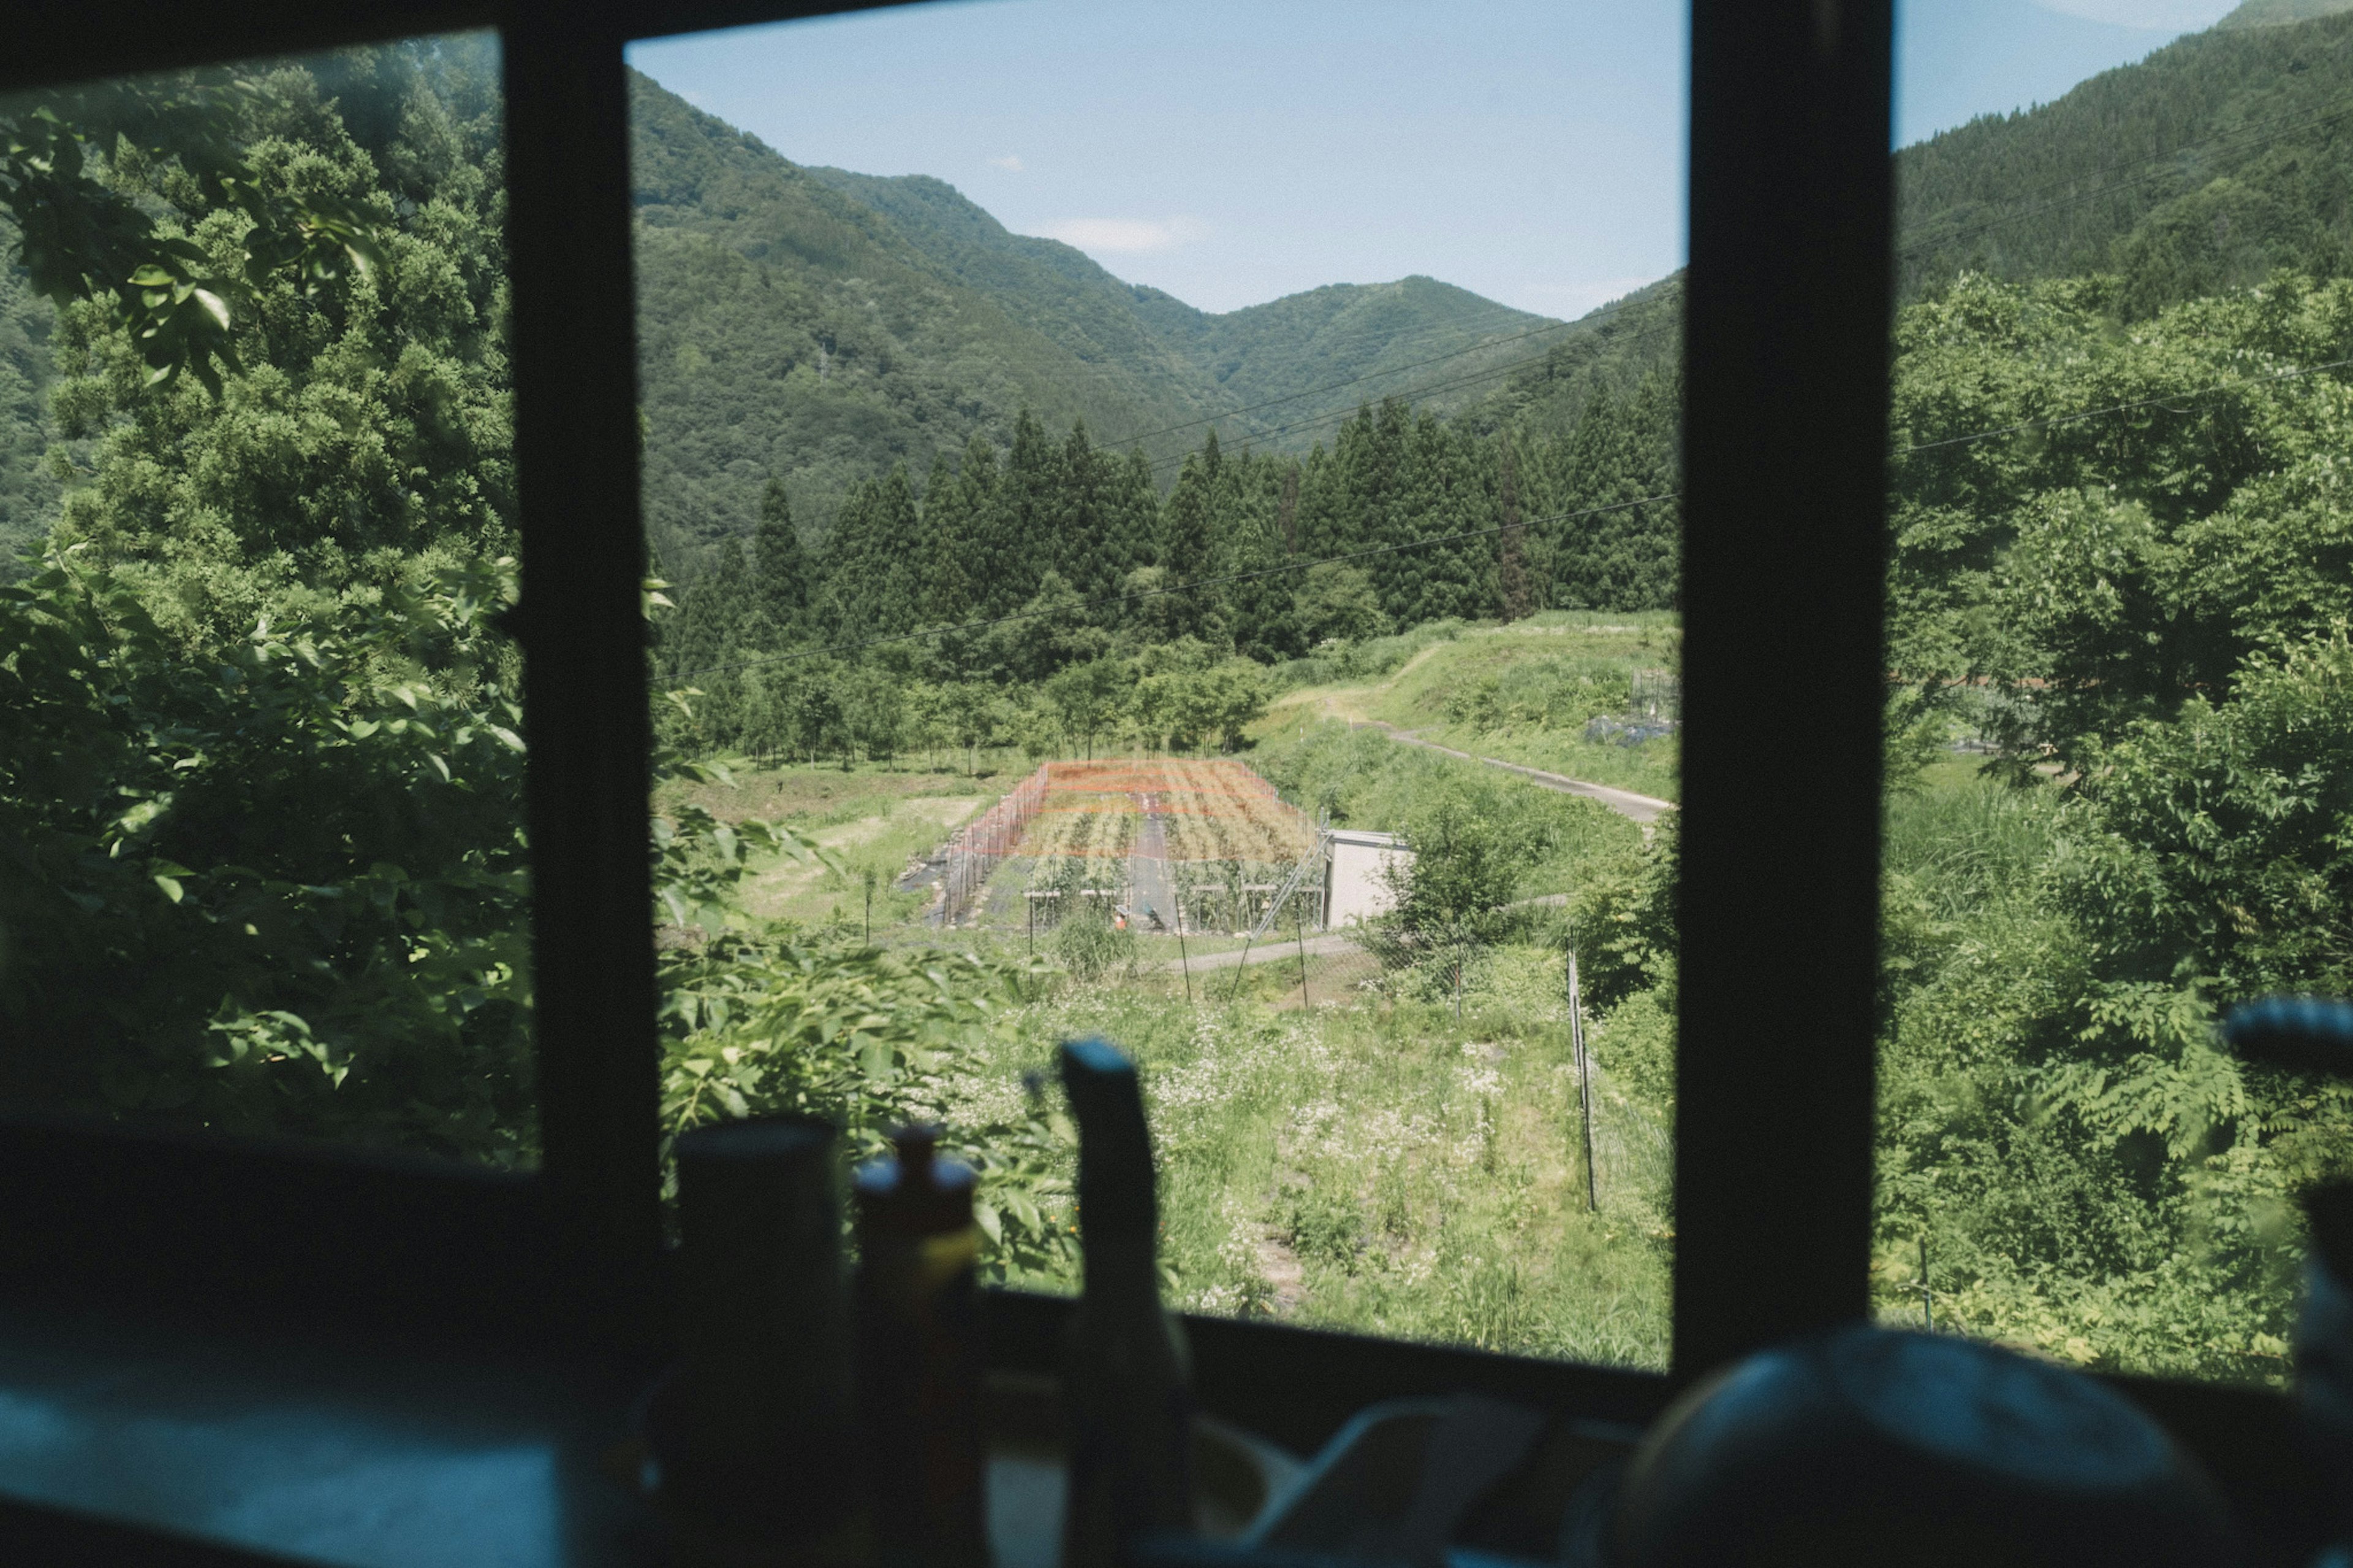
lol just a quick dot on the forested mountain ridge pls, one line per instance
(784, 329)
(2218, 157)
(1341, 331)
(819, 326)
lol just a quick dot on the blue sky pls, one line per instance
(1232, 152)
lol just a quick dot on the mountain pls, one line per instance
(2200, 168)
(2280, 13)
(820, 326)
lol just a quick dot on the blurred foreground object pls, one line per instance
(2313, 1034)
(753, 1433)
(919, 1361)
(1867, 1445)
(1126, 1379)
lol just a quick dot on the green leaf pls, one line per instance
(170, 886)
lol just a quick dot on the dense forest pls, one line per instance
(1059, 568)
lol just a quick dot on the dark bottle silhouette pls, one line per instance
(1127, 1377)
(919, 1359)
(754, 1435)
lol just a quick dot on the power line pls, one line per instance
(1194, 586)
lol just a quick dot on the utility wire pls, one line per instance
(1194, 586)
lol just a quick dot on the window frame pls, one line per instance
(1787, 355)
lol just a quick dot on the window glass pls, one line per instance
(260, 753)
(2119, 734)
(1119, 480)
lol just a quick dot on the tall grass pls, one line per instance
(1383, 1170)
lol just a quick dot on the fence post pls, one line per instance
(1299, 928)
(1584, 1080)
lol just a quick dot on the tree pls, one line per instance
(1462, 870)
(1337, 600)
(711, 615)
(278, 886)
(780, 588)
(1086, 698)
(178, 301)
(1515, 592)
(1188, 529)
(956, 515)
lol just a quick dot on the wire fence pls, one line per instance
(976, 849)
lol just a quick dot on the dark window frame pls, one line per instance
(1787, 356)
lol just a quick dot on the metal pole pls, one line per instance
(1299, 928)
(1584, 1082)
(1182, 961)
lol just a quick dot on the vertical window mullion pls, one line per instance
(1785, 422)
(585, 682)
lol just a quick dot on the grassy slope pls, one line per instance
(867, 818)
(1386, 1171)
(1415, 696)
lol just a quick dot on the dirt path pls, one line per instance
(1273, 949)
(1624, 802)
(1147, 869)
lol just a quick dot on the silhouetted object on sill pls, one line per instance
(1867, 1445)
(2312, 1034)
(753, 1431)
(1126, 1379)
(919, 1357)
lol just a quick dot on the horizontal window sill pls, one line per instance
(140, 1440)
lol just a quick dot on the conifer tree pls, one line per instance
(1515, 590)
(711, 612)
(1132, 525)
(1019, 544)
(1082, 550)
(780, 574)
(871, 568)
(1186, 525)
(956, 515)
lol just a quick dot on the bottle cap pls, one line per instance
(912, 1192)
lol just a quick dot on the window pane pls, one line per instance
(1110, 605)
(2118, 735)
(261, 762)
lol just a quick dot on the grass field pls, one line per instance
(1522, 693)
(1377, 1167)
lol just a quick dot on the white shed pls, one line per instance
(1357, 874)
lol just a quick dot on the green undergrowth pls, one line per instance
(1381, 1169)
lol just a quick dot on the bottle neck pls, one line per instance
(1121, 1266)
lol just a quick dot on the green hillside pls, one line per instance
(2201, 168)
(820, 326)
(1360, 334)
